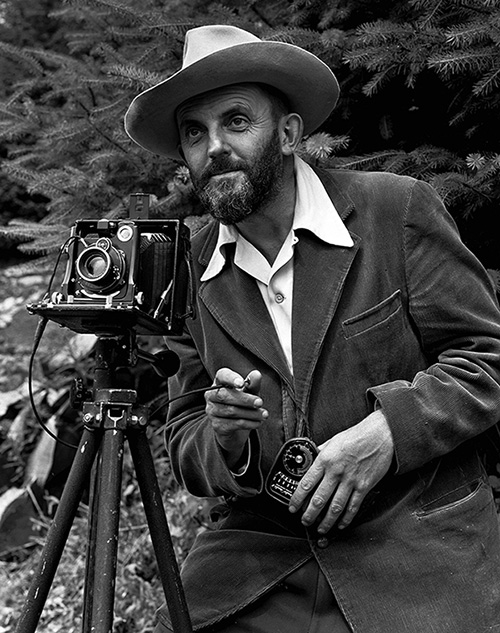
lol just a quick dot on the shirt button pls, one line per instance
(323, 542)
(279, 298)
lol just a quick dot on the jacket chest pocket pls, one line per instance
(376, 320)
(377, 342)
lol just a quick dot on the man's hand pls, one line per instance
(348, 466)
(234, 410)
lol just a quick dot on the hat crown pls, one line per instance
(203, 41)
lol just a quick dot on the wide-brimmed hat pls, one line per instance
(218, 55)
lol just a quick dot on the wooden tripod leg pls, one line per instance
(159, 530)
(59, 530)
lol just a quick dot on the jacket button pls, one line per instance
(323, 542)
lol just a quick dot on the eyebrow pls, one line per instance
(232, 110)
(235, 110)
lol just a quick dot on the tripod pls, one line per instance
(109, 419)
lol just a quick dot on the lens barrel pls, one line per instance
(100, 267)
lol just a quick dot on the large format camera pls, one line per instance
(124, 274)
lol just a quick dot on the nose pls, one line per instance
(217, 144)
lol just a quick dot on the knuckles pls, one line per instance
(335, 508)
(318, 502)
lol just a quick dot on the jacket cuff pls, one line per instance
(406, 452)
(248, 480)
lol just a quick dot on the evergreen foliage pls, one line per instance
(434, 72)
(420, 96)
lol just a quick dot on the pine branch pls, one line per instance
(219, 13)
(386, 32)
(381, 79)
(38, 266)
(24, 230)
(365, 162)
(112, 109)
(24, 58)
(120, 8)
(103, 158)
(74, 132)
(262, 18)
(476, 60)
(58, 60)
(100, 131)
(290, 35)
(44, 245)
(468, 34)
(321, 145)
(333, 38)
(437, 7)
(138, 78)
(487, 84)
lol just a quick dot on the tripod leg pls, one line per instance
(88, 592)
(58, 532)
(101, 573)
(160, 533)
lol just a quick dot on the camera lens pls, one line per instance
(95, 266)
(100, 270)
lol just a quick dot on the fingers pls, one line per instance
(235, 391)
(253, 382)
(228, 378)
(330, 502)
(304, 490)
(351, 510)
(341, 510)
(234, 409)
(235, 397)
(323, 494)
(348, 466)
(238, 416)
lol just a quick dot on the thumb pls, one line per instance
(253, 380)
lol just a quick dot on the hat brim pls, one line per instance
(309, 85)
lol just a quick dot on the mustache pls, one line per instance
(219, 166)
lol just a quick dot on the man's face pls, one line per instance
(230, 142)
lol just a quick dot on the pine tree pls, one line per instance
(419, 84)
(434, 69)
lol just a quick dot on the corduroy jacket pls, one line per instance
(406, 320)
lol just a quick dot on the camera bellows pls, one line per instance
(156, 267)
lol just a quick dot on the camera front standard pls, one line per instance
(123, 274)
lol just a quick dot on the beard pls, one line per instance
(230, 200)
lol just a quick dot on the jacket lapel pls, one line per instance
(320, 271)
(235, 302)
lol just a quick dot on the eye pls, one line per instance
(238, 122)
(192, 133)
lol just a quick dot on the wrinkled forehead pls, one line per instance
(245, 95)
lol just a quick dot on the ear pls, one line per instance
(291, 129)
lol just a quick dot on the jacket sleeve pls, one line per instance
(454, 309)
(195, 456)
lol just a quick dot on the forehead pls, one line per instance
(246, 96)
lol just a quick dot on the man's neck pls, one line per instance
(267, 228)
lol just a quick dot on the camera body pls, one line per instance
(123, 274)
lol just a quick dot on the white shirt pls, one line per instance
(315, 212)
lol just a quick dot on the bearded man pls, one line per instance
(349, 345)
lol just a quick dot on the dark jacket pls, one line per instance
(408, 318)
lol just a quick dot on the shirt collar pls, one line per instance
(314, 211)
